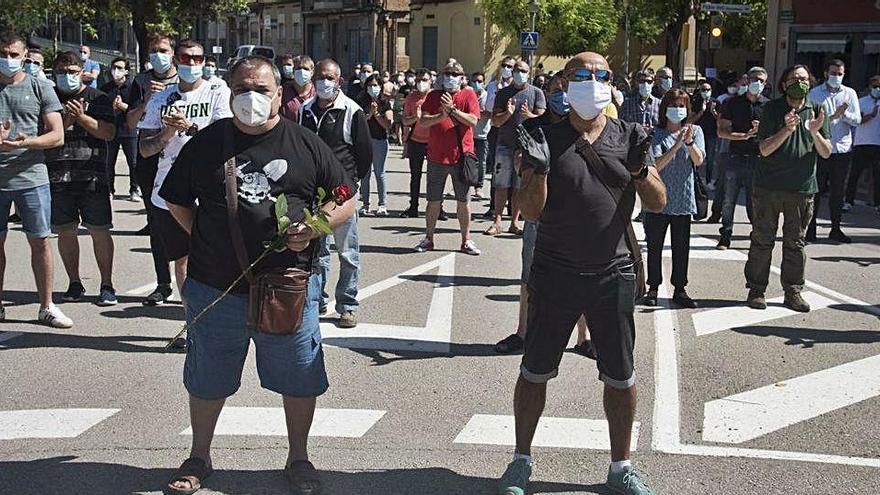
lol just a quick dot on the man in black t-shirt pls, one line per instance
(739, 121)
(273, 156)
(118, 90)
(583, 264)
(78, 176)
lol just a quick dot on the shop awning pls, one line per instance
(872, 47)
(821, 45)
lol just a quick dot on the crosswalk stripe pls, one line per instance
(4, 336)
(720, 319)
(748, 415)
(566, 433)
(269, 421)
(50, 423)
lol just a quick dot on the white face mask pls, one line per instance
(423, 86)
(118, 74)
(506, 72)
(588, 98)
(252, 109)
(325, 89)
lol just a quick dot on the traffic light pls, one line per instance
(715, 31)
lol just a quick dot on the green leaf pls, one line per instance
(308, 215)
(322, 195)
(283, 224)
(323, 225)
(281, 206)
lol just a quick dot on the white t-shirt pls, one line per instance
(868, 133)
(202, 106)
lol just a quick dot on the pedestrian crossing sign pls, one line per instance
(528, 40)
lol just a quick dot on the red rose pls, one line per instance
(341, 194)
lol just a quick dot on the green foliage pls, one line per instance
(26, 15)
(747, 30)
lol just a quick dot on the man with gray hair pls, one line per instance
(739, 121)
(259, 157)
(641, 107)
(663, 82)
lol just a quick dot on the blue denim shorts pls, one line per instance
(291, 365)
(34, 206)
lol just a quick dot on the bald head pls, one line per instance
(589, 60)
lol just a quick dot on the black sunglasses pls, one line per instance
(34, 62)
(579, 75)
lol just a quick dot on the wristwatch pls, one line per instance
(192, 130)
(689, 144)
(642, 174)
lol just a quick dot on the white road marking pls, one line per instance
(146, 289)
(565, 433)
(435, 336)
(4, 336)
(749, 415)
(269, 421)
(50, 423)
(718, 320)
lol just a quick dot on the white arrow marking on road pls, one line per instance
(566, 433)
(433, 337)
(269, 421)
(718, 320)
(749, 415)
(50, 423)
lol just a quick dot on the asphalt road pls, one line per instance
(732, 400)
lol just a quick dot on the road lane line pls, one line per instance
(4, 336)
(749, 415)
(269, 421)
(50, 423)
(721, 319)
(565, 433)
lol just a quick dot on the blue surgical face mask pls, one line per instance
(741, 90)
(325, 89)
(478, 86)
(68, 83)
(161, 62)
(520, 78)
(835, 81)
(559, 103)
(451, 82)
(676, 114)
(190, 73)
(32, 69)
(209, 71)
(756, 87)
(373, 91)
(287, 71)
(666, 83)
(302, 76)
(644, 89)
(875, 93)
(10, 66)
(706, 94)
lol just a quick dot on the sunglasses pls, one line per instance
(579, 75)
(506, 66)
(186, 58)
(33, 62)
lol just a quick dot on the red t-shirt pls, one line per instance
(443, 137)
(420, 133)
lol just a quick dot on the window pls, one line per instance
(429, 47)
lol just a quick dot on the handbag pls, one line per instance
(599, 169)
(701, 196)
(277, 296)
(468, 165)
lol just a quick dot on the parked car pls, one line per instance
(248, 50)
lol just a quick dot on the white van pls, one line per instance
(248, 50)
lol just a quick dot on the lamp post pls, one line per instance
(534, 6)
(626, 38)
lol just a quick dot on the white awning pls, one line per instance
(827, 45)
(872, 47)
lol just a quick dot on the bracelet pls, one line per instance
(689, 144)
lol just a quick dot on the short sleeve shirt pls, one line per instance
(124, 92)
(413, 100)
(444, 136)
(376, 130)
(289, 160)
(792, 167)
(24, 104)
(741, 111)
(89, 66)
(530, 95)
(206, 104)
(868, 133)
(83, 157)
(141, 85)
(678, 175)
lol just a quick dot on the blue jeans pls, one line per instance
(34, 206)
(482, 149)
(345, 237)
(737, 176)
(380, 151)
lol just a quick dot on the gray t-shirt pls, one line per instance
(531, 94)
(24, 105)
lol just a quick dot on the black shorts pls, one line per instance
(558, 298)
(81, 202)
(174, 238)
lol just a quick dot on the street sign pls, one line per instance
(726, 7)
(216, 50)
(528, 40)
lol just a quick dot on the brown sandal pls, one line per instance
(193, 471)
(493, 230)
(303, 478)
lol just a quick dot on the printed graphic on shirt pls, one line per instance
(254, 180)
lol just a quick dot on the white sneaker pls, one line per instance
(470, 247)
(53, 317)
(382, 212)
(135, 197)
(364, 212)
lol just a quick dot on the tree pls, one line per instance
(567, 27)
(650, 18)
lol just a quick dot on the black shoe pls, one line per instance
(75, 292)
(409, 213)
(682, 298)
(714, 218)
(159, 296)
(143, 231)
(14, 218)
(489, 215)
(512, 343)
(650, 298)
(756, 299)
(639, 217)
(585, 349)
(839, 236)
(443, 217)
(723, 243)
(322, 310)
(795, 302)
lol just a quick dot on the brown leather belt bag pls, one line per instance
(277, 296)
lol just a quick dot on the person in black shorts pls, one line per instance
(582, 263)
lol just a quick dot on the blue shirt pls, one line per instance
(89, 66)
(678, 175)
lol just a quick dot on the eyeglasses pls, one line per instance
(33, 62)
(70, 72)
(507, 66)
(523, 71)
(579, 75)
(452, 74)
(185, 58)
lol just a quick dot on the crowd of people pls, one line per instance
(568, 154)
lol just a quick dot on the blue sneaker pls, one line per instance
(107, 297)
(627, 482)
(515, 478)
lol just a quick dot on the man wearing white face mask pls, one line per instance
(271, 156)
(866, 145)
(91, 69)
(583, 188)
(355, 88)
(841, 104)
(209, 73)
(172, 118)
(342, 125)
(417, 140)
(119, 92)
(78, 174)
(502, 79)
(296, 75)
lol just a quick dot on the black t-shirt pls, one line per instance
(740, 111)
(581, 227)
(83, 157)
(288, 160)
(376, 130)
(123, 91)
(707, 121)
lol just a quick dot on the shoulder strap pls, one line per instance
(232, 217)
